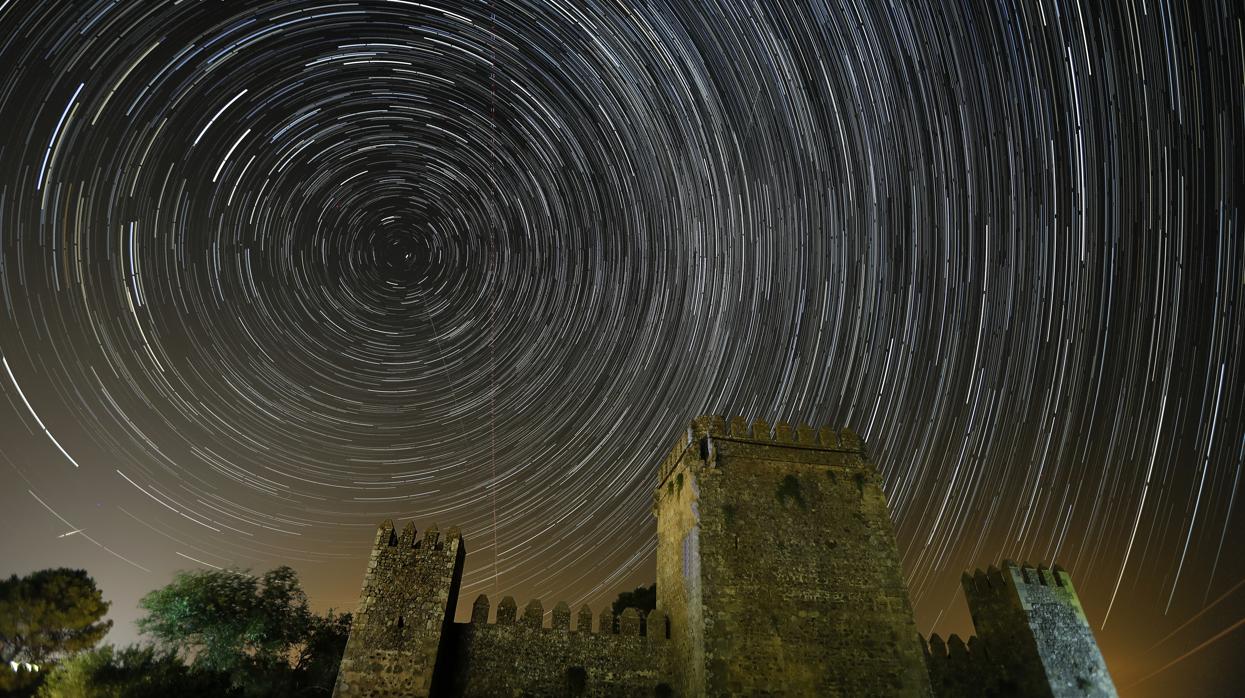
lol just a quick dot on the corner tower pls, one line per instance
(777, 566)
(406, 607)
(1034, 630)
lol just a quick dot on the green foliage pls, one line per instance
(320, 655)
(642, 598)
(133, 672)
(790, 489)
(257, 630)
(227, 619)
(49, 614)
(72, 677)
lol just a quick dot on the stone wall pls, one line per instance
(782, 543)
(519, 656)
(678, 567)
(409, 593)
(1032, 625)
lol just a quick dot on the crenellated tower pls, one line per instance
(409, 594)
(1034, 632)
(778, 568)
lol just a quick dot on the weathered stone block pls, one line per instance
(562, 616)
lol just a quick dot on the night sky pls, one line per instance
(271, 274)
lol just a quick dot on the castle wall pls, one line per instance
(521, 657)
(795, 564)
(777, 573)
(409, 593)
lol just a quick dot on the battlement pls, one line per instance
(533, 618)
(758, 431)
(1020, 586)
(518, 654)
(952, 648)
(962, 669)
(388, 541)
(1013, 575)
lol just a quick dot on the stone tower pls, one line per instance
(778, 569)
(408, 600)
(1035, 634)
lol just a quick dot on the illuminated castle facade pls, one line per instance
(777, 574)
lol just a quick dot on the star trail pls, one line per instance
(272, 272)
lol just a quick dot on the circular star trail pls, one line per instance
(271, 274)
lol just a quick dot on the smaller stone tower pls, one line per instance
(1034, 632)
(407, 605)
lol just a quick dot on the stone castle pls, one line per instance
(777, 574)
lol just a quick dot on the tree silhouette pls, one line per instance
(642, 598)
(50, 614)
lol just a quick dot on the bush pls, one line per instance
(132, 672)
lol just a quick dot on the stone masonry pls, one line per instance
(521, 656)
(1033, 640)
(409, 595)
(777, 565)
(777, 574)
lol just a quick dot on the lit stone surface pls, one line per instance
(1033, 640)
(778, 567)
